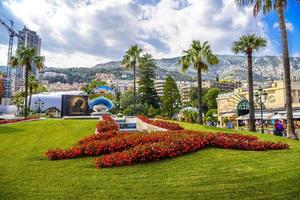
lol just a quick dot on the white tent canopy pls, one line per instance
(266, 116)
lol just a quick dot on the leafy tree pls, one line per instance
(152, 112)
(210, 98)
(24, 58)
(18, 100)
(126, 99)
(141, 109)
(128, 112)
(33, 85)
(193, 94)
(130, 60)
(171, 97)
(200, 56)
(248, 44)
(279, 6)
(211, 115)
(147, 92)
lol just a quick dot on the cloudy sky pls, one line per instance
(82, 33)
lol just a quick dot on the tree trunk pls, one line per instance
(134, 89)
(200, 120)
(250, 90)
(26, 92)
(287, 74)
(30, 95)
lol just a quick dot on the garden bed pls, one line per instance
(119, 149)
(12, 121)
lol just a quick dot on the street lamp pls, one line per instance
(39, 104)
(260, 99)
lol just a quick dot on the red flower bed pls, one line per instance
(242, 142)
(153, 151)
(161, 124)
(129, 148)
(6, 121)
(107, 124)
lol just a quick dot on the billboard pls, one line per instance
(74, 105)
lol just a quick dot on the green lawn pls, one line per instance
(208, 174)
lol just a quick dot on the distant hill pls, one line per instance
(229, 67)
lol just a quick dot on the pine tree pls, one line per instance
(147, 92)
(171, 99)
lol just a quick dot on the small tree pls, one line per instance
(131, 60)
(147, 92)
(25, 57)
(33, 85)
(126, 99)
(210, 98)
(247, 44)
(200, 56)
(171, 98)
(211, 115)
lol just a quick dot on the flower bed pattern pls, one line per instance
(7, 121)
(162, 124)
(129, 148)
(107, 124)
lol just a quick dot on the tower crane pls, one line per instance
(12, 33)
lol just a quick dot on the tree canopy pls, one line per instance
(171, 98)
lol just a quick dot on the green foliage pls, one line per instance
(132, 57)
(188, 116)
(248, 43)
(211, 115)
(18, 100)
(25, 57)
(200, 56)
(226, 120)
(152, 112)
(126, 99)
(147, 92)
(171, 98)
(210, 98)
(140, 109)
(128, 112)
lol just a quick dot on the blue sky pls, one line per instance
(82, 33)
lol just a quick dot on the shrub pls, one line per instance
(107, 124)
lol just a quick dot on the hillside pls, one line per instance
(229, 67)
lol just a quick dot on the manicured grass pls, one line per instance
(208, 174)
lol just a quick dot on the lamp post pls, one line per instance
(260, 99)
(39, 104)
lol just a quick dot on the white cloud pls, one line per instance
(3, 54)
(289, 26)
(83, 33)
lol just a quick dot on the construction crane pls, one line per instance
(12, 33)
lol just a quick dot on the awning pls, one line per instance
(266, 116)
(229, 115)
(279, 116)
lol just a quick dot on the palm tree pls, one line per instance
(131, 59)
(247, 44)
(33, 85)
(200, 56)
(279, 6)
(25, 57)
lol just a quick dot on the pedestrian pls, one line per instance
(278, 128)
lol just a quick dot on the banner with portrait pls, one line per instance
(74, 105)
